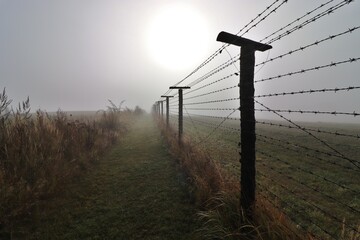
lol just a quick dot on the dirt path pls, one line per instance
(136, 192)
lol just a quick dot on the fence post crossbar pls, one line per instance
(180, 89)
(247, 115)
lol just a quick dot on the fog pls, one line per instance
(74, 55)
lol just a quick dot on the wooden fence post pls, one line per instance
(162, 109)
(180, 89)
(158, 108)
(167, 109)
(247, 115)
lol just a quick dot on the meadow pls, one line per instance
(42, 152)
(307, 184)
(298, 174)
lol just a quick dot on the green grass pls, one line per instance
(293, 178)
(39, 152)
(135, 192)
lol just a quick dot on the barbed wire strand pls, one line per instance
(332, 64)
(295, 145)
(212, 125)
(311, 20)
(340, 89)
(296, 20)
(276, 183)
(300, 196)
(212, 109)
(219, 68)
(310, 134)
(214, 130)
(257, 16)
(315, 112)
(209, 84)
(263, 191)
(213, 101)
(212, 92)
(296, 168)
(308, 129)
(219, 50)
(265, 17)
(316, 43)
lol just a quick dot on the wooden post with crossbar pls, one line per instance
(247, 115)
(158, 108)
(180, 123)
(162, 109)
(167, 109)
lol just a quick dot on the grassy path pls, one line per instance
(136, 192)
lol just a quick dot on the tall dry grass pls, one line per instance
(40, 152)
(217, 192)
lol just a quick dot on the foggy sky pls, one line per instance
(76, 54)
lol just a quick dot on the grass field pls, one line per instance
(54, 187)
(315, 187)
(135, 192)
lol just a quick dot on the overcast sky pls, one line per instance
(76, 54)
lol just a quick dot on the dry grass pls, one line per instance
(298, 203)
(39, 153)
(206, 176)
(114, 202)
(216, 192)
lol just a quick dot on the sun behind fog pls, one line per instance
(177, 37)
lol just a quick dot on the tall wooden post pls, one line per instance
(162, 109)
(159, 108)
(167, 109)
(180, 123)
(155, 108)
(247, 126)
(247, 115)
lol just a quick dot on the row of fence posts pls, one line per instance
(247, 116)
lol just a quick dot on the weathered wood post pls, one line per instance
(155, 108)
(158, 108)
(247, 116)
(180, 89)
(162, 109)
(167, 109)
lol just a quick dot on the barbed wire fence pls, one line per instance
(307, 109)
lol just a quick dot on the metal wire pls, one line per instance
(355, 114)
(213, 101)
(212, 92)
(308, 91)
(218, 119)
(297, 147)
(312, 135)
(209, 84)
(316, 43)
(296, 20)
(307, 129)
(332, 64)
(300, 196)
(311, 20)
